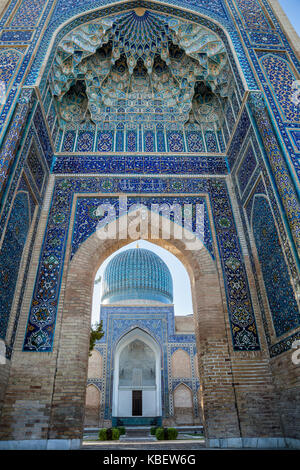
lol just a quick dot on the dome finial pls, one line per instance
(140, 11)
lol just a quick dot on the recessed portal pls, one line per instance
(137, 379)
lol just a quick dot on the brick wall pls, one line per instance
(46, 392)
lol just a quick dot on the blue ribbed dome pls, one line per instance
(137, 274)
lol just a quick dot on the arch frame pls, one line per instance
(70, 348)
(65, 186)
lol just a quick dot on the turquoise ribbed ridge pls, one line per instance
(137, 274)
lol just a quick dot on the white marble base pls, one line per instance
(292, 443)
(41, 444)
(254, 443)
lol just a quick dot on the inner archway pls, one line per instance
(139, 286)
(137, 377)
(208, 308)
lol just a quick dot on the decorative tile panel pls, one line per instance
(281, 297)
(11, 255)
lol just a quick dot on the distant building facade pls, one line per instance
(143, 371)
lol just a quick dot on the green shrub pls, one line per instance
(172, 434)
(160, 434)
(102, 434)
(165, 433)
(153, 430)
(109, 434)
(122, 430)
(115, 434)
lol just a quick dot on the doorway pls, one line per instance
(137, 403)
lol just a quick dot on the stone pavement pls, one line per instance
(145, 445)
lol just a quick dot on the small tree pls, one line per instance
(96, 334)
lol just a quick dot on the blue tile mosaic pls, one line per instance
(16, 36)
(175, 141)
(36, 167)
(28, 13)
(295, 134)
(11, 254)
(85, 141)
(149, 141)
(68, 141)
(281, 297)
(246, 169)
(105, 141)
(281, 79)
(141, 164)
(194, 141)
(211, 142)
(86, 220)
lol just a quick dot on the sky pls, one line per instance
(292, 10)
(181, 283)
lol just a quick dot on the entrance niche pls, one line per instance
(183, 404)
(137, 377)
(92, 406)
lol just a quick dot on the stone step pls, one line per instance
(137, 432)
(126, 438)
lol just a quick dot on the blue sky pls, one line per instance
(292, 10)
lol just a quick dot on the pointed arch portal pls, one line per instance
(137, 377)
(187, 115)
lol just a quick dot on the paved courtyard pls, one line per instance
(145, 445)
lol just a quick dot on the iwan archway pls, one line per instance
(154, 107)
(218, 365)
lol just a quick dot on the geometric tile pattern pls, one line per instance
(278, 165)
(264, 187)
(11, 254)
(246, 168)
(28, 13)
(281, 298)
(281, 79)
(159, 139)
(253, 15)
(86, 220)
(35, 167)
(9, 59)
(274, 69)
